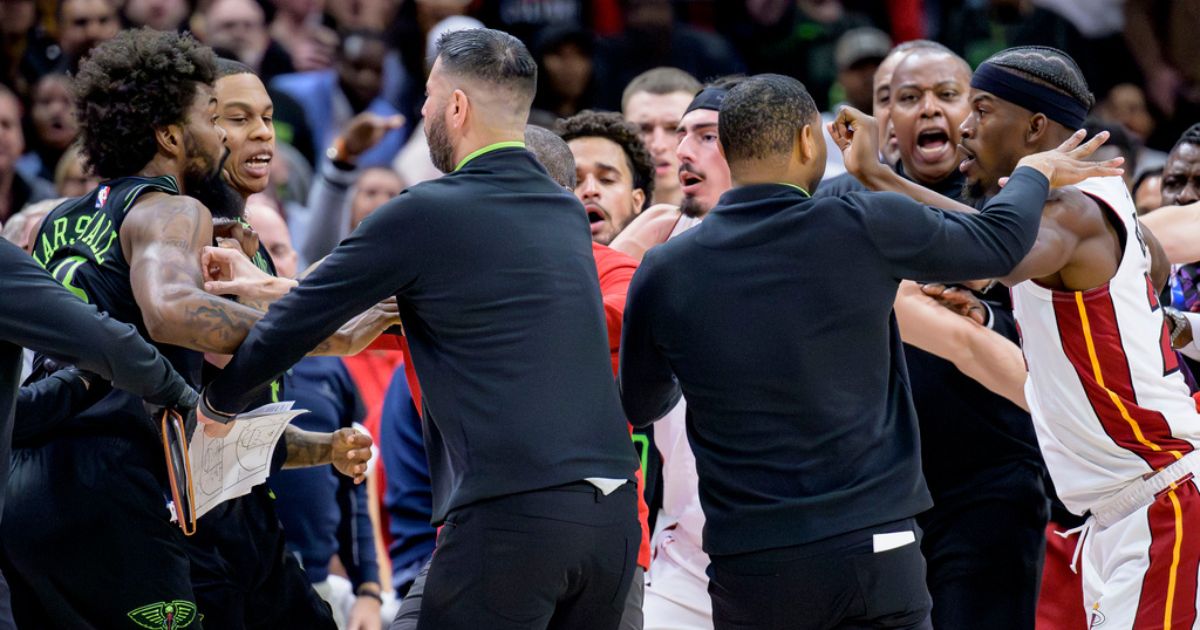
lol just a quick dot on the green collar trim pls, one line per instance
(512, 144)
(806, 193)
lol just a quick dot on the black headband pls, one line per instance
(708, 98)
(1035, 97)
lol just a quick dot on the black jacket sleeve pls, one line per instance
(48, 319)
(649, 388)
(932, 245)
(45, 404)
(373, 263)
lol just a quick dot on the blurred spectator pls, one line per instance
(297, 27)
(796, 39)
(71, 176)
(161, 15)
(564, 56)
(527, 19)
(331, 211)
(16, 189)
(655, 101)
(1119, 144)
(376, 186)
(1147, 191)
(330, 98)
(1162, 38)
(978, 29)
(353, 15)
(81, 25)
(1126, 104)
(240, 27)
(652, 38)
(858, 54)
(53, 126)
(21, 228)
(18, 31)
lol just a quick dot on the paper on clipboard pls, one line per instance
(228, 467)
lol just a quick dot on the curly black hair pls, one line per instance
(139, 81)
(611, 126)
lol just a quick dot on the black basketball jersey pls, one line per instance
(79, 244)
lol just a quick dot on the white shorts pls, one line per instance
(1141, 572)
(675, 598)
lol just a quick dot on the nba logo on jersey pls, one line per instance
(101, 197)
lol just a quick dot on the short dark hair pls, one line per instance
(490, 56)
(611, 126)
(229, 67)
(1048, 66)
(1191, 136)
(553, 153)
(761, 116)
(661, 80)
(139, 81)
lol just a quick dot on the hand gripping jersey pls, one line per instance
(1104, 388)
(79, 243)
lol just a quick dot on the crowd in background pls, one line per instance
(346, 79)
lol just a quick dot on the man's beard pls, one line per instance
(973, 193)
(207, 185)
(440, 149)
(691, 207)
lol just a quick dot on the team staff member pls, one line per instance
(492, 268)
(981, 576)
(795, 447)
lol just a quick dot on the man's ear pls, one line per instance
(169, 139)
(1039, 125)
(804, 144)
(459, 105)
(639, 201)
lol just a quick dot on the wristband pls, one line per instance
(208, 411)
(361, 592)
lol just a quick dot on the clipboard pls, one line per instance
(174, 434)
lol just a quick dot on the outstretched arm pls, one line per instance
(982, 354)
(41, 315)
(1178, 230)
(382, 257)
(162, 238)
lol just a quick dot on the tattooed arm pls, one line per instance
(162, 238)
(347, 449)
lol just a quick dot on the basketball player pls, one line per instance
(111, 556)
(1115, 423)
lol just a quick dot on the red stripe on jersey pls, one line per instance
(1091, 339)
(1168, 598)
(1170, 360)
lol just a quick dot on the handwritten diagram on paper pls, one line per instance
(228, 467)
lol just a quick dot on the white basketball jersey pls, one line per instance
(1104, 388)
